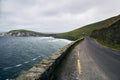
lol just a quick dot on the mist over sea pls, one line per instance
(21, 53)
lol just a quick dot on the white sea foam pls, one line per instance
(46, 38)
(34, 59)
(18, 65)
(7, 68)
(65, 40)
(55, 40)
(26, 62)
(60, 40)
(9, 79)
(39, 56)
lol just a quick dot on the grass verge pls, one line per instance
(113, 46)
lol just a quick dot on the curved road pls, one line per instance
(90, 61)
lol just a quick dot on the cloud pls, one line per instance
(54, 15)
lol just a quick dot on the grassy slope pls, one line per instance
(75, 34)
(113, 46)
(109, 36)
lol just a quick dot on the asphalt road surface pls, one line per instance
(90, 61)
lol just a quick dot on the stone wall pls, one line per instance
(45, 69)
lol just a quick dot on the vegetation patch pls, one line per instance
(87, 30)
(113, 46)
(108, 36)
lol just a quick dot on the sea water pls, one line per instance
(21, 53)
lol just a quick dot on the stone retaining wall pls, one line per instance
(45, 69)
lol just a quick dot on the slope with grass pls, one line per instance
(86, 30)
(109, 36)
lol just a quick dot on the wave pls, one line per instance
(7, 68)
(26, 62)
(34, 59)
(39, 56)
(47, 38)
(65, 40)
(18, 65)
(61, 40)
(52, 39)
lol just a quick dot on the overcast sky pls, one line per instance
(54, 15)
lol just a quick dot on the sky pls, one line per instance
(54, 16)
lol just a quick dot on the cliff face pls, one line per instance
(110, 34)
(23, 33)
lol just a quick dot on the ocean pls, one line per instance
(21, 53)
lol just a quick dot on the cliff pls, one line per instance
(23, 33)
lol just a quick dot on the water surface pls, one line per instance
(21, 53)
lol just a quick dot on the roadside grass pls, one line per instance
(113, 46)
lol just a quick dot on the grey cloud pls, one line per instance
(72, 7)
(54, 15)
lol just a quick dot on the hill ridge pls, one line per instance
(82, 31)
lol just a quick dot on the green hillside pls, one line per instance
(109, 36)
(86, 30)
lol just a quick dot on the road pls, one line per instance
(90, 61)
